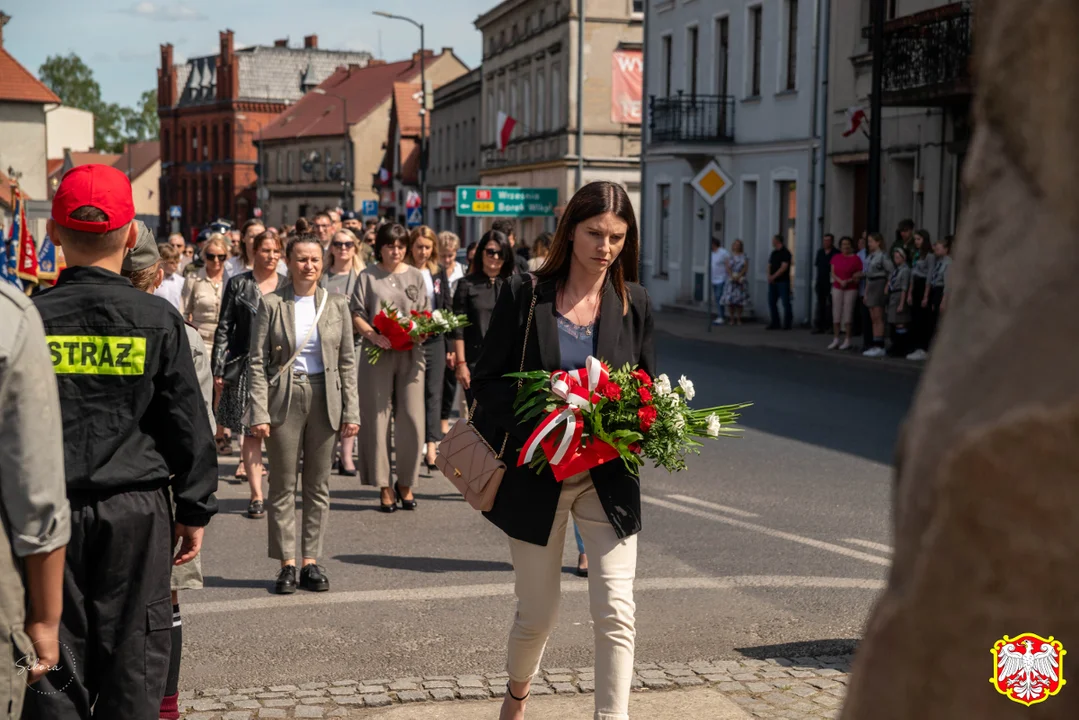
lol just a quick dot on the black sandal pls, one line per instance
(518, 699)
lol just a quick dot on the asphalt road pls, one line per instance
(772, 545)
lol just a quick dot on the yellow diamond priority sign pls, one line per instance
(711, 182)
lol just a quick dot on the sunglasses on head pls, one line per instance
(491, 252)
(343, 245)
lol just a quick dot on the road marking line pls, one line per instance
(459, 592)
(819, 544)
(713, 506)
(871, 545)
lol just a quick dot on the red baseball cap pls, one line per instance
(100, 186)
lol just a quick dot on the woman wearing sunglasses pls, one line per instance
(475, 297)
(201, 303)
(343, 265)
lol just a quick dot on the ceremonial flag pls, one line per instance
(505, 129)
(48, 264)
(7, 264)
(23, 242)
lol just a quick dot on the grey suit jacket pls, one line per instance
(272, 344)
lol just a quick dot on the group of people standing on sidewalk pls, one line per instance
(892, 297)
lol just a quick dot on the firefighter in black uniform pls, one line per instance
(132, 416)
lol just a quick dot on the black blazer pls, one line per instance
(236, 321)
(526, 502)
(476, 297)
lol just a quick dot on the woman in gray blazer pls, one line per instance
(303, 390)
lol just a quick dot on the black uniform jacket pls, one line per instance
(236, 323)
(526, 502)
(132, 409)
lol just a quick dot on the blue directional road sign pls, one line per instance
(414, 218)
(369, 208)
(175, 212)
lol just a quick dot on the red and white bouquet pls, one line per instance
(404, 332)
(594, 415)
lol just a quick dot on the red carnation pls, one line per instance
(642, 377)
(647, 416)
(610, 390)
(635, 448)
(646, 396)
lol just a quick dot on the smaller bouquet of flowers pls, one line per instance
(604, 415)
(404, 332)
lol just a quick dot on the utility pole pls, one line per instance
(580, 94)
(875, 119)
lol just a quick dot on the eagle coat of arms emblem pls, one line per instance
(1028, 668)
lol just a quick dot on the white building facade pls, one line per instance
(735, 82)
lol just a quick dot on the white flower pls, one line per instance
(662, 385)
(679, 422)
(437, 317)
(687, 387)
(713, 425)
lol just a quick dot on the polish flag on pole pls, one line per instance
(855, 118)
(505, 129)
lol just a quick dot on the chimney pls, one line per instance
(427, 55)
(227, 86)
(446, 51)
(226, 44)
(4, 17)
(373, 62)
(281, 43)
(310, 42)
(166, 79)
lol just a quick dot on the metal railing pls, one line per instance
(691, 118)
(927, 55)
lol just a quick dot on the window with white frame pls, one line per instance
(692, 53)
(790, 42)
(556, 98)
(541, 101)
(723, 49)
(526, 105)
(666, 50)
(756, 28)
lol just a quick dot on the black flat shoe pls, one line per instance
(313, 578)
(431, 467)
(286, 581)
(388, 508)
(346, 472)
(405, 504)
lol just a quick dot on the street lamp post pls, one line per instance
(348, 145)
(423, 112)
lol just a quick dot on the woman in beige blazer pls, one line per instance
(300, 398)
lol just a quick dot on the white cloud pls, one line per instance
(159, 11)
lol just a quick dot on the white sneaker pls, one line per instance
(845, 345)
(834, 345)
(918, 355)
(717, 322)
(874, 352)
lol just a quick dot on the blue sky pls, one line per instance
(119, 39)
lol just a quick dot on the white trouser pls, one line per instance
(612, 565)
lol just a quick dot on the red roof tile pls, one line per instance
(407, 107)
(140, 156)
(364, 89)
(53, 166)
(87, 158)
(17, 84)
(410, 161)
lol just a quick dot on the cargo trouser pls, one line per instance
(117, 618)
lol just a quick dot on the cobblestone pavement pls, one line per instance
(804, 688)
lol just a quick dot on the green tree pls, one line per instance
(73, 81)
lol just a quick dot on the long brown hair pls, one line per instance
(596, 198)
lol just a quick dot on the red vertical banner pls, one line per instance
(627, 76)
(25, 248)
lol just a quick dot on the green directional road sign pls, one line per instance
(474, 200)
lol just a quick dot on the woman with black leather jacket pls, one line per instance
(231, 364)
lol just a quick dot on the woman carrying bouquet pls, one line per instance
(393, 386)
(587, 302)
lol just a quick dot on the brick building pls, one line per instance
(211, 110)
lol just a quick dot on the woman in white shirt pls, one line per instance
(303, 391)
(422, 242)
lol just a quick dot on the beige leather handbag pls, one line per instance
(467, 459)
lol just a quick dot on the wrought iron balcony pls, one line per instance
(927, 57)
(685, 118)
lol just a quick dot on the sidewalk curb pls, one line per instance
(812, 686)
